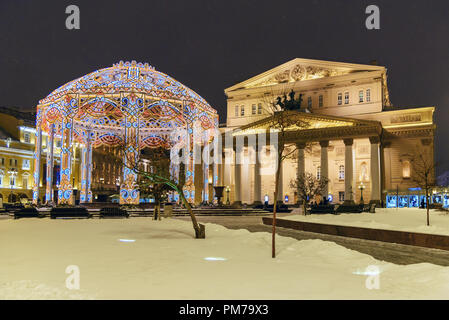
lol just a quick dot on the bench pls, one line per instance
(69, 212)
(113, 212)
(322, 209)
(351, 208)
(27, 213)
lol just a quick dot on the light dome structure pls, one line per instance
(129, 104)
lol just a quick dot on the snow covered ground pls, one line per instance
(407, 219)
(165, 262)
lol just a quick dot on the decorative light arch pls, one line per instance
(128, 104)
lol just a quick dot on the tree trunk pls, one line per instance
(200, 231)
(427, 206)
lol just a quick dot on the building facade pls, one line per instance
(353, 135)
(16, 155)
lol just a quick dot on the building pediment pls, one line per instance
(298, 120)
(302, 70)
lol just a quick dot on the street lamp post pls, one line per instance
(361, 187)
(228, 201)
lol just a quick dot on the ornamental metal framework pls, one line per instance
(129, 104)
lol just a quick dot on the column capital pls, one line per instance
(348, 142)
(374, 140)
(324, 144)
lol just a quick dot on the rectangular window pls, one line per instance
(318, 173)
(259, 108)
(26, 164)
(242, 111)
(341, 196)
(340, 99)
(361, 96)
(13, 163)
(3, 161)
(236, 111)
(254, 109)
(12, 181)
(341, 172)
(368, 95)
(27, 137)
(309, 102)
(25, 183)
(320, 101)
(346, 97)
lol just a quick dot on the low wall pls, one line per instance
(401, 237)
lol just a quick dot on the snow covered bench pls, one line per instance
(113, 212)
(27, 213)
(69, 212)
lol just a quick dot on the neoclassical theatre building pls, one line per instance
(355, 136)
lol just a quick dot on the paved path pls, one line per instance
(394, 253)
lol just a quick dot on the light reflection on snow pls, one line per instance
(215, 259)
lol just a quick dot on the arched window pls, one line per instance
(341, 172)
(406, 169)
(318, 173)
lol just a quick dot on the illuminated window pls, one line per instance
(26, 137)
(259, 108)
(341, 172)
(346, 97)
(320, 101)
(254, 109)
(26, 164)
(318, 173)
(340, 99)
(361, 96)
(368, 95)
(406, 169)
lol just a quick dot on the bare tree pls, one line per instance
(283, 117)
(308, 186)
(423, 173)
(159, 175)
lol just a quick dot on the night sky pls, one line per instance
(211, 45)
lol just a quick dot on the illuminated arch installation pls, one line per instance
(128, 104)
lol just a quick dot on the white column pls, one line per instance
(257, 178)
(37, 162)
(238, 176)
(349, 169)
(205, 162)
(375, 170)
(50, 164)
(325, 165)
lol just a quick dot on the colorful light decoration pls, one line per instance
(128, 104)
